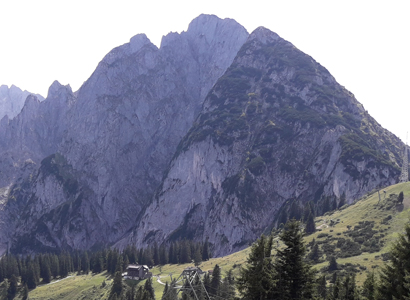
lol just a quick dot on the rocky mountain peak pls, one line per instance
(209, 26)
(31, 103)
(56, 88)
(263, 35)
(138, 41)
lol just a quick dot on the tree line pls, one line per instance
(32, 270)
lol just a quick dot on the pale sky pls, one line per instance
(364, 44)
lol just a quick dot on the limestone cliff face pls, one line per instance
(123, 129)
(275, 128)
(12, 100)
(24, 141)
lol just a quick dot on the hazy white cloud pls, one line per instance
(364, 44)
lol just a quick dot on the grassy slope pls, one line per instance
(75, 287)
(89, 287)
(367, 209)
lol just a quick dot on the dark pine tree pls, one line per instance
(401, 198)
(392, 283)
(85, 263)
(149, 289)
(155, 254)
(185, 252)
(205, 251)
(24, 295)
(197, 257)
(116, 288)
(12, 289)
(310, 225)
(256, 279)
(215, 281)
(163, 255)
(369, 287)
(315, 254)
(321, 287)
(294, 276)
(31, 277)
(227, 288)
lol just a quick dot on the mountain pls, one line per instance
(217, 134)
(275, 129)
(12, 100)
(124, 127)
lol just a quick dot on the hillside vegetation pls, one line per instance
(359, 236)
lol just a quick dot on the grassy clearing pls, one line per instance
(87, 287)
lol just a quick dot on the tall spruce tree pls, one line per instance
(227, 288)
(369, 287)
(12, 288)
(257, 279)
(31, 277)
(321, 287)
(392, 283)
(197, 257)
(24, 294)
(215, 281)
(205, 251)
(149, 289)
(294, 276)
(116, 288)
(349, 291)
(185, 256)
(310, 224)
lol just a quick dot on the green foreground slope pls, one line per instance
(369, 225)
(358, 235)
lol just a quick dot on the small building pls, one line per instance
(137, 272)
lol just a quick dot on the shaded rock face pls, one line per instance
(123, 129)
(276, 127)
(12, 100)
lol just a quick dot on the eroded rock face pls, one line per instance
(275, 128)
